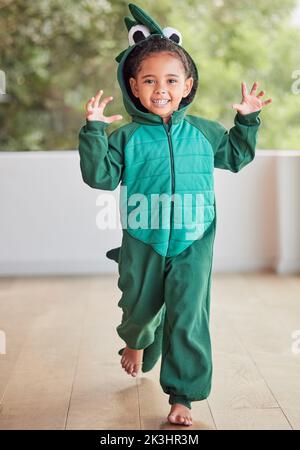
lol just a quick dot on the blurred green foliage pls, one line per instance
(57, 53)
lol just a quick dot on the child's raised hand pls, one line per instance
(251, 102)
(95, 110)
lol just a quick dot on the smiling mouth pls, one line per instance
(160, 103)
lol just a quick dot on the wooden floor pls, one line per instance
(61, 369)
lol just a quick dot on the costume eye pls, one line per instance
(173, 34)
(138, 33)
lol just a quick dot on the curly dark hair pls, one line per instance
(156, 44)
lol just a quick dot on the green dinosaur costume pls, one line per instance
(165, 271)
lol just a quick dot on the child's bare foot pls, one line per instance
(180, 415)
(132, 360)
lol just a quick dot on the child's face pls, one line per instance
(161, 76)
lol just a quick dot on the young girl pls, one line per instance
(165, 154)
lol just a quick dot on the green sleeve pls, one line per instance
(101, 156)
(235, 148)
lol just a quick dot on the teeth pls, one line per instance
(160, 102)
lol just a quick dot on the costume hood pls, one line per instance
(140, 29)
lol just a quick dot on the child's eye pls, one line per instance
(171, 79)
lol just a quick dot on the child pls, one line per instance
(165, 272)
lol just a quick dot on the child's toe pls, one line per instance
(171, 418)
(136, 368)
(179, 419)
(189, 420)
(176, 419)
(186, 421)
(127, 366)
(131, 369)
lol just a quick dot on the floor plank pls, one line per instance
(38, 391)
(104, 397)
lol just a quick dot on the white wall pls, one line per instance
(48, 216)
(288, 191)
(246, 237)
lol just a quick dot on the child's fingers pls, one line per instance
(115, 117)
(244, 89)
(98, 96)
(104, 102)
(89, 105)
(254, 87)
(266, 102)
(261, 94)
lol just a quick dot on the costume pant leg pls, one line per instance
(186, 366)
(141, 280)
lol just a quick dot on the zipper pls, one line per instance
(168, 131)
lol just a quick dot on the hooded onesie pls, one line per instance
(168, 217)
